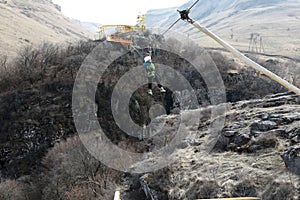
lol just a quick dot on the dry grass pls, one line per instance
(34, 22)
(230, 175)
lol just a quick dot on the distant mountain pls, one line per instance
(276, 22)
(90, 26)
(25, 22)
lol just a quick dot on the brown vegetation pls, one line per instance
(43, 64)
(69, 171)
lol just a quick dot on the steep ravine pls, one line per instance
(34, 119)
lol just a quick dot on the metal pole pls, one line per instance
(247, 60)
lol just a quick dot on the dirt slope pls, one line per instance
(33, 22)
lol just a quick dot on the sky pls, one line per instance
(112, 11)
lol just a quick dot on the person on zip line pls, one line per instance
(152, 75)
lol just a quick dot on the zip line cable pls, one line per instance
(171, 26)
(180, 18)
(193, 5)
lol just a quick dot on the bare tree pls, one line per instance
(72, 170)
(48, 57)
(27, 63)
(8, 75)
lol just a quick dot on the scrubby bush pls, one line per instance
(32, 62)
(11, 189)
(9, 77)
(47, 62)
(17, 190)
(73, 55)
(79, 48)
(27, 63)
(72, 173)
(244, 188)
(280, 190)
(48, 57)
(243, 82)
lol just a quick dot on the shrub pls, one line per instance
(280, 190)
(9, 76)
(11, 189)
(17, 190)
(27, 63)
(72, 173)
(48, 57)
(43, 63)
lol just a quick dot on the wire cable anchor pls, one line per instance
(184, 15)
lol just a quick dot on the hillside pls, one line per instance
(42, 157)
(34, 22)
(276, 22)
(238, 138)
(90, 26)
(248, 159)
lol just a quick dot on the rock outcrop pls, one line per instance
(252, 156)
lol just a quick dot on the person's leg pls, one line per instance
(150, 80)
(157, 79)
(150, 85)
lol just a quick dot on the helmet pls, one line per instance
(147, 58)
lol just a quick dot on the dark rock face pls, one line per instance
(242, 139)
(291, 158)
(263, 126)
(258, 124)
